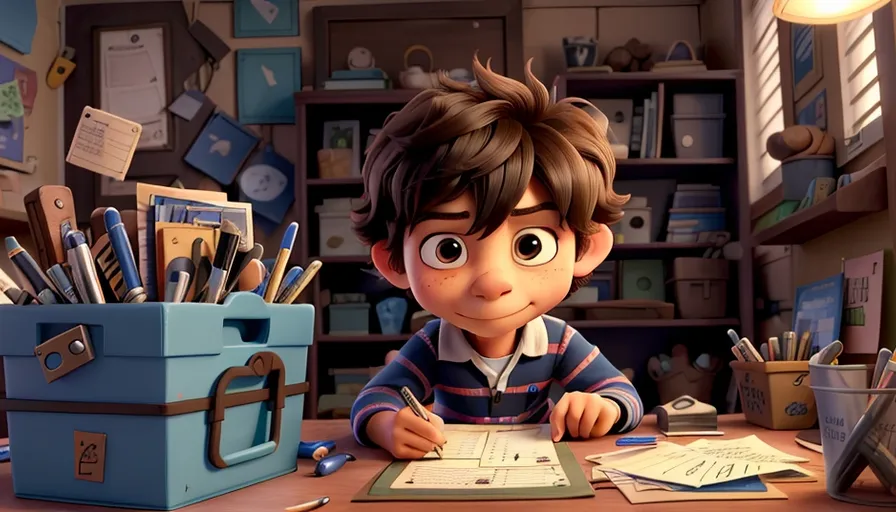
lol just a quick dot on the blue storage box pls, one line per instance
(155, 405)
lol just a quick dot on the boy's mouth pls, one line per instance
(497, 317)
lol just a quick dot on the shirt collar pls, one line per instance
(454, 347)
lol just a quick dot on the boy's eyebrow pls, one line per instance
(518, 212)
(443, 216)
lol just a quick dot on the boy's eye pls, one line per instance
(534, 246)
(443, 251)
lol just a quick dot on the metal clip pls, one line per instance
(72, 347)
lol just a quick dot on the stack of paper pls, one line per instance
(736, 469)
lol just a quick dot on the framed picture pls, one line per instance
(267, 78)
(805, 51)
(221, 148)
(345, 134)
(265, 18)
(133, 79)
(813, 111)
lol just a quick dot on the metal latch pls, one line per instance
(72, 350)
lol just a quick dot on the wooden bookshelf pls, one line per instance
(313, 108)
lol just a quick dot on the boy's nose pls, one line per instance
(491, 286)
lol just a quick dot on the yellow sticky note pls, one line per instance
(10, 101)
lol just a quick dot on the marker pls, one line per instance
(83, 269)
(121, 246)
(311, 505)
(302, 283)
(177, 286)
(9, 287)
(60, 279)
(228, 242)
(330, 464)
(280, 263)
(636, 441)
(26, 264)
(290, 280)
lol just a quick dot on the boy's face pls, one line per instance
(493, 286)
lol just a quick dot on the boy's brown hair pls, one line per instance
(491, 141)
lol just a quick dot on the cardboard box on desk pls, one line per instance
(133, 414)
(776, 394)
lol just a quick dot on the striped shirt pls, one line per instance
(448, 373)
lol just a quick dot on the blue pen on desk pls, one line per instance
(331, 464)
(32, 272)
(636, 441)
(83, 268)
(121, 246)
(4, 453)
(315, 449)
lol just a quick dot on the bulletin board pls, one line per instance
(161, 167)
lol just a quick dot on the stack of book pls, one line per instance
(357, 79)
(647, 126)
(696, 211)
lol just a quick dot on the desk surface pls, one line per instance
(277, 494)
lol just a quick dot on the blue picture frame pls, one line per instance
(221, 148)
(267, 78)
(282, 21)
(805, 51)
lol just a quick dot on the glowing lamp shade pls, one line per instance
(824, 12)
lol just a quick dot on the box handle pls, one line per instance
(249, 315)
(260, 365)
(707, 288)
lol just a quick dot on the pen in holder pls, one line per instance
(854, 436)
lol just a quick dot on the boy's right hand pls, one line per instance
(404, 434)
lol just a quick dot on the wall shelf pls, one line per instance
(860, 198)
(663, 324)
(366, 97)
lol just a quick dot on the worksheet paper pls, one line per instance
(749, 448)
(682, 465)
(488, 457)
(104, 143)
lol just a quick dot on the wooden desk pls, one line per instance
(277, 494)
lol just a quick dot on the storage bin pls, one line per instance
(698, 104)
(698, 136)
(155, 405)
(350, 319)
(797, 174)
(776, 395)
(701, 287)
(336, 235)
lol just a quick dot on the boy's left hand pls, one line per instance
(583, 415)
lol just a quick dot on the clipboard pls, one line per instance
(379, 487)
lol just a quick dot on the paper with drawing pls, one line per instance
(705, 465)
(483, 457)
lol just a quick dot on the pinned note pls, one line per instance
(104, 143)
(10, 101)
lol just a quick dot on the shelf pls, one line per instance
(329, 182)
(655, 250)
(369, 338)
(663, 324)
(642, 77)
(383, 96)
(860, 198)
(682, 169)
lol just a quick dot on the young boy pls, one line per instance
(491, 205)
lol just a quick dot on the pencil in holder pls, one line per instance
(776, 395)
(855, 436)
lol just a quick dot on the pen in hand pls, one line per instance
(418, 410)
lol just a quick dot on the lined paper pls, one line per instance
(104, 143)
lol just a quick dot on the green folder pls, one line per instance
(380, 487)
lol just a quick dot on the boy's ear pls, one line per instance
(380, 256)
(598, 250)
